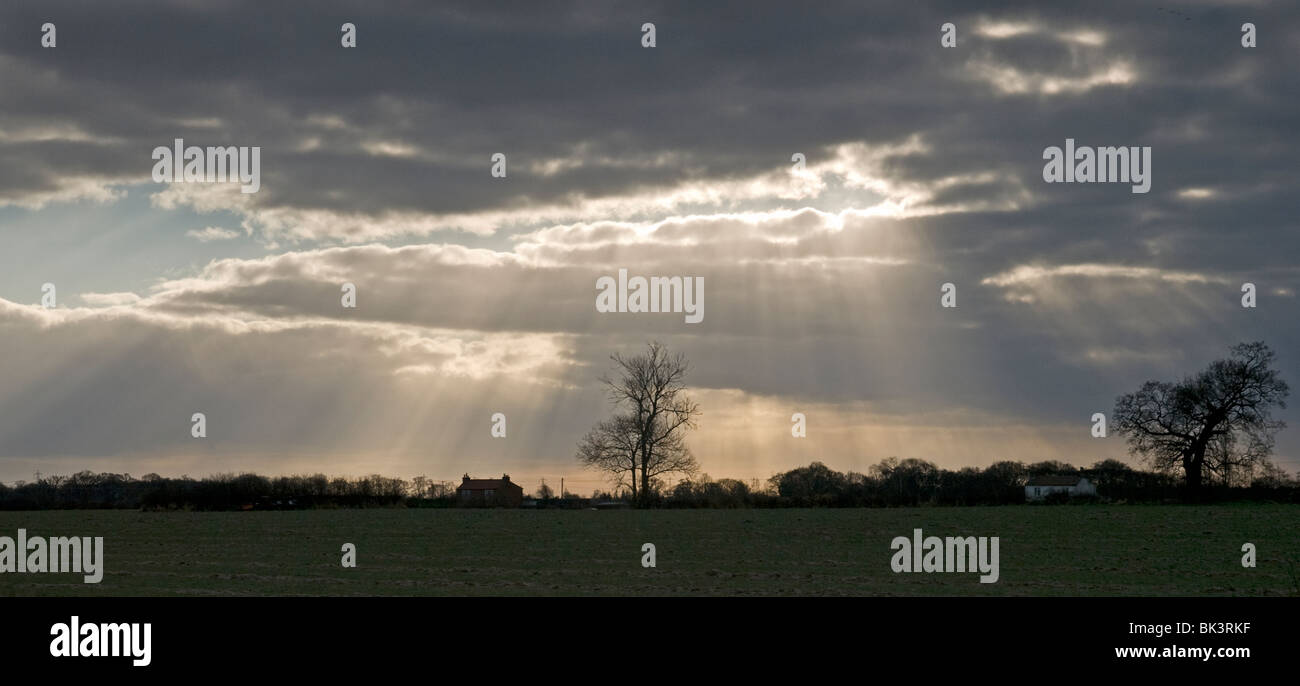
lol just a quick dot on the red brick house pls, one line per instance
(489, 492)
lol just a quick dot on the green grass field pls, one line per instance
(1068, 550)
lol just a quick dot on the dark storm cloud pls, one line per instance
(732, 90)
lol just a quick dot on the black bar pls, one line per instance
(252, 638)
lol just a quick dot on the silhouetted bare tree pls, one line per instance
(612, 446)
(1214, 422)
(645, 439)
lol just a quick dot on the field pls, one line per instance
(1066, 550)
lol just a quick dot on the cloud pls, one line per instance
(212, 233)
(1011, 80)
(109, 299)
(1026, 274)
(1197, 193)
(998, 30)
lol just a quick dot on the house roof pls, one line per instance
(1054, 481)
(483, 484)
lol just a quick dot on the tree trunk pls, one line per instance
(1194, 480)
(645, 476)
(1194, 464)
(1194, 468)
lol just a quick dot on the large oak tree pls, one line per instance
(1211, 423)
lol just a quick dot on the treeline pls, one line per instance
(891, 483)
(90, 490)
(912, 482)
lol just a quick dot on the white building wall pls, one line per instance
(1041, 492)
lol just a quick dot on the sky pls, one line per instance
(923, 166)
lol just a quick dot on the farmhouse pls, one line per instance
(1039, 487)
(490, 492)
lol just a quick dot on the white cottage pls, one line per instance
(1039, 487)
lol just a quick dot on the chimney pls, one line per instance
(505, 478)
(466, 478)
